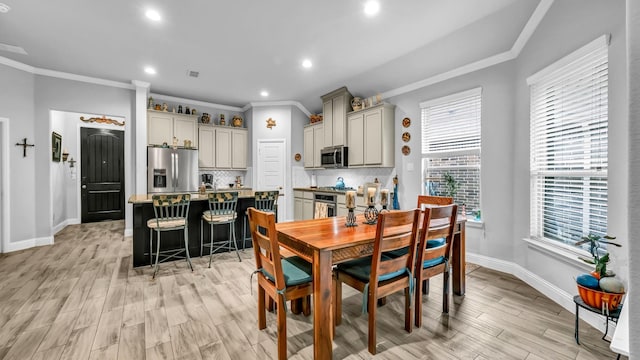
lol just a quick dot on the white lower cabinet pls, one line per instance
(302, 205)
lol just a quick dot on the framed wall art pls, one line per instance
(56, 146)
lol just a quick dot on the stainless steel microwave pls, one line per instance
(334, 157)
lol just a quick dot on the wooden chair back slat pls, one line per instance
(395, 230)
(433, 200)
(265, 244)
(444, 215)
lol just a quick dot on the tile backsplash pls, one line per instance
(352, 177)
(226, 177)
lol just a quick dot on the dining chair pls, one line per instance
(171, 213)
(429, 200)
(264, 201)
(281, 279)
(434, 252)
(379, 275)
(222, 211)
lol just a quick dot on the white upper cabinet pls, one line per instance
(334, 110)
(371, 137)
(162, 127)
(222, 147)
(207, 150)
(313, 143)
(238, 148)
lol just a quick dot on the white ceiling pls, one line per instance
(241, 47)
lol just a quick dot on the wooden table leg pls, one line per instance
(459, 261)
(322, 314)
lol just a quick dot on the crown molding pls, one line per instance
(195, 102)
(277, 103)
(514, 52)
(141, 84)
(17, 65)
(82, 78)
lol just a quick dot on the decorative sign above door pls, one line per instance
(102, 120)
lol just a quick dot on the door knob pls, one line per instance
(84, 186)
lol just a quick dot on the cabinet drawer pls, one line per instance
(308, 195)
(298, 194)
(341, 199)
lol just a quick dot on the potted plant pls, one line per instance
(599, 287)
(451, 185)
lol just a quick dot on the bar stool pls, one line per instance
(266, 201)
(171, 213)
(222, 211)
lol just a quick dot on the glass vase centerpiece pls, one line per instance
(350, 204)
(371, 193)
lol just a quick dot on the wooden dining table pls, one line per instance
(326, 242)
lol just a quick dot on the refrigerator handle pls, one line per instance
(176, 170)
(173, 170)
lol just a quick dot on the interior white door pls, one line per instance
(2, 175)
(271, 171)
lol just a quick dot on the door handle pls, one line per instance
(84, 187)
(176, 173)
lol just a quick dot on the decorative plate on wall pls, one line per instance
(406, 150)
(406, 122)
(297, 157)
(406, 136)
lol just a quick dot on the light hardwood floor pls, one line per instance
(81, 299)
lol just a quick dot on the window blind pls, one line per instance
(568, 139)
(452, 123)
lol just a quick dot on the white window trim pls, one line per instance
(563, 251)
(452, 97)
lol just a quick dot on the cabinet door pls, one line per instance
(307, 209)
(373, 137)
(341, 210)
(308, 147)
(239, 146)
(339, 119)
(207, 147)
(159, 128)
(318, 144)
(297, 208)
(223, 148)
(327, 113)
(185, 128)
(356, 139)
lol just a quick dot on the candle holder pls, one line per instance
(371, 215)
(384, 208)
(351, 219)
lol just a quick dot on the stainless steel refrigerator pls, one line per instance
(172, 170)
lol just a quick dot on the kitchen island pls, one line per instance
(143, 211)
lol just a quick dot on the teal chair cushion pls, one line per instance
(296, 271)
(433, 262)
(430, 244)
(361, 269)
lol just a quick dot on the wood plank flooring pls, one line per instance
(81, 299)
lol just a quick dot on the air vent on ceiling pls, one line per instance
(12, 48)
(193, 73)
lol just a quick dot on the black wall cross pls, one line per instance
(24, 146)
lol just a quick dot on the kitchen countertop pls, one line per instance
(146, 198)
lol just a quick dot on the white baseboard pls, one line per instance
(29, 243)
(56, 229)
(551, 291)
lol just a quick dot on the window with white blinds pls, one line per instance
(568, 139)
(451, 145)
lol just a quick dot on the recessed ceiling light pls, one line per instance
(306, 63)
(153, 15)
(371, 7)
(149, 70)
(4, 8)
(264, 93)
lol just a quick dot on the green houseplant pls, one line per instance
(451, 185)
(599, 257)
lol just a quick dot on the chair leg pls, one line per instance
(210, 244)
(372, 323)
(306, 305)
(262, 316)
(282, 329)
(296, 306)
(186, 246)
(337, 300)
(244, 230)
(408, 313)
(425, 286)
(418, 300)
(155, 269)
(150, 247)
(201, 239)
(232, 234)
(445, 292)
(269, 303)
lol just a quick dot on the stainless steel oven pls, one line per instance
(326, 199)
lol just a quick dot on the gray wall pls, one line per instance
(633, 57)
(569, 25)
(67, 95)
(16, 104)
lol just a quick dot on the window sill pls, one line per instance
(476, 224)
(561, 252)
